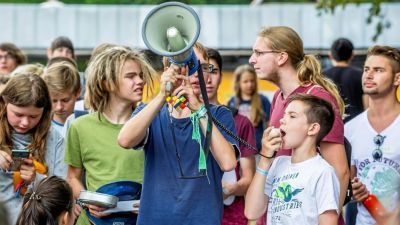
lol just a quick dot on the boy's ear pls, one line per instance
(330, 56)
(78, 93)
(64, 218)
(314, 129)
(49, 53)
(397, 79)
(106, 85)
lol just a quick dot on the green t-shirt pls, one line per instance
(92, 144)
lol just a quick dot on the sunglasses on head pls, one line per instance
(377, 153)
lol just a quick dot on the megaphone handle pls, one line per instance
(168, 86)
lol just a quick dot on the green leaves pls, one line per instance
(375, 13)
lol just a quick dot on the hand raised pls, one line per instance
(169, 80)
(5, 160)
(186, 90)
(271, 142)
(28, 171)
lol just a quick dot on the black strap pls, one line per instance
(178, 156)
(208, 129)
(241, 141)
(207, 105)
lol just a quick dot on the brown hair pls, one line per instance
(61, 59)
(62, 77)
(61, 42)
(107, 66)
(13, 50)
(25, 90)
(285, 39)
(46, 203)
(318, 111)
(256, 111)
(200, 47)
(393, 54)
(4, 78)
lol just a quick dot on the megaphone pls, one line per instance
(171, 29)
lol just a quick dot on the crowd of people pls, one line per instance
(314, 154)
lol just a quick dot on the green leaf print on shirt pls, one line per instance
(284, 191)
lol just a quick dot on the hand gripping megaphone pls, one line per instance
(171, 29)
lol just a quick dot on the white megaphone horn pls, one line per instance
(171, 29)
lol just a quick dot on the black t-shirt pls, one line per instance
(348, 80)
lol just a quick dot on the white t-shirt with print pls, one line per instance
(382, 178)
(299, 192)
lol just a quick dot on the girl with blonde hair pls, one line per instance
(248, 101)
(278, 56)
(25, 116)
(115, 82)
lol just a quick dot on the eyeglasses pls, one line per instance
(7, 57)
(207, 68)
(377, 153)
(260, 53)
(215, 71)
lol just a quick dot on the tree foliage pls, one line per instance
(375, 12)
(151, 2)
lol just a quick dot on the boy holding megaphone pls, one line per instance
(182, 182)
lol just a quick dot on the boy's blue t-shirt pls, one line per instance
(165, 198)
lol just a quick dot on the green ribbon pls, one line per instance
(195, 119)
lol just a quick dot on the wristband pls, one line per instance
(267, 157)
(261, 171)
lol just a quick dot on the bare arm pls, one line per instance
(247, 168)
(256, 201)
(222, 150)
(134, 131)
(74, 179)
(329, 217)
(335, 155)
(353, 172)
